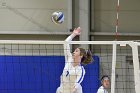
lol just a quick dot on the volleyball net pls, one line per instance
(36, 66)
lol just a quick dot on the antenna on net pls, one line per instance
(117, 20)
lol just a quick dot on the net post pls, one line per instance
(113, 68)
(136, 66)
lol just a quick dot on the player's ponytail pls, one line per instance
(86, 56)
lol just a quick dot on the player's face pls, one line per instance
(76, 52)
(106, 83)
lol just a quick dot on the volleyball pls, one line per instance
(57, 17)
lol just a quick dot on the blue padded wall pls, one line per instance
(40, 74)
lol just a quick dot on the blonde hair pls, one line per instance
(86, 56)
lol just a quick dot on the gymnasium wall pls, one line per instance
(31, 19)
(104, 15)
(30, 16)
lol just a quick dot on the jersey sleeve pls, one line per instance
(101, 90)
(67, 52)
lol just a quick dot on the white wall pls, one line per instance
(30, 15)
(105, 15)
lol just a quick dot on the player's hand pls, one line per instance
(77, 31)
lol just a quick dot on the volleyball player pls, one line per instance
(105, 82)
(73, 72)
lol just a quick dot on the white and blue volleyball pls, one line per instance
(58, 17)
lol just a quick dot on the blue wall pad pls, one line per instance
(40, 74)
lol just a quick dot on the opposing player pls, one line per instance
(105, 82)
(73, 72)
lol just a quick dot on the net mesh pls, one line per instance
(36, 68)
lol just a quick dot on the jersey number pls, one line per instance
(67, 73)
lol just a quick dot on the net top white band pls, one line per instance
(62, 42)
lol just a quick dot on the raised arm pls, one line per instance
(67, 52)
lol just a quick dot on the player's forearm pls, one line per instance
(70, 37)
(67, 47)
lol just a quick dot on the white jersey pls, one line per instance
(71, 76)
(102, 90)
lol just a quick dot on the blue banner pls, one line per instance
(40, 74)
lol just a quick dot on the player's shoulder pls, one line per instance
(67, 65)
(100, 90)
(81, 69)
